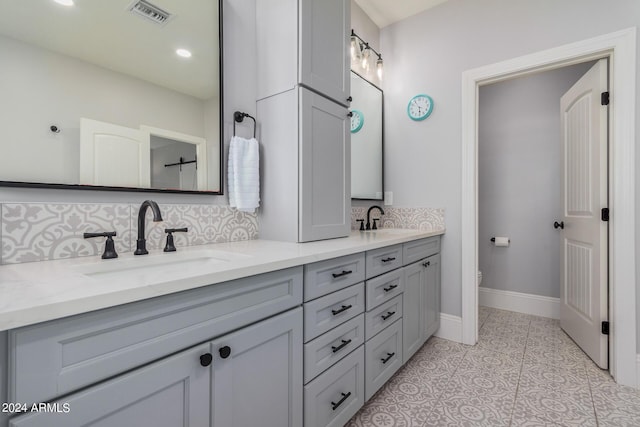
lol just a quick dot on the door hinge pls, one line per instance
(605, 327)
(604, 214)
(604, 98)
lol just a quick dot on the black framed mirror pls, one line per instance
(115, 95)
(367, 139)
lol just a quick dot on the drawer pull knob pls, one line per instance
(391, 258)
(206, 359)
(427, 264)
(341, 309)
(345, 396)
(341, 346)
(389, 314)
(225, 351)
(390, 288)
(386, 359)
(344, 273)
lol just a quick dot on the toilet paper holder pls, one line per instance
(493, 239)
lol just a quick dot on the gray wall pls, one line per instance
(518, 180)
(428, 53)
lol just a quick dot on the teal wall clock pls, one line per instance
(357, 120)
(420, 107)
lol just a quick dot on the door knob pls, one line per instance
(557, 224)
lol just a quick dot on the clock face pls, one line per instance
(357, 120)
(420, 107)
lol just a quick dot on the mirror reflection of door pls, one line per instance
(113, 155)
(366, 140)
(173, 164)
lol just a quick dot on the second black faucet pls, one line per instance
(375, 227)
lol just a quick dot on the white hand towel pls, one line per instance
(243, 174)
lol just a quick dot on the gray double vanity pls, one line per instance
(253, 333)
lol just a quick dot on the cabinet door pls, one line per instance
(257, 374)
(325, 169)
(324, 41)
(172, 392)
(413, 309)
(431, 295)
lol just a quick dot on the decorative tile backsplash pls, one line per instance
(47, 231)
(428, 219)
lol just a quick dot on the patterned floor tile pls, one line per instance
(550, 377)
(525, 371)
(513, 346)
(557, 406)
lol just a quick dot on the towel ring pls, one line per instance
(239, 116)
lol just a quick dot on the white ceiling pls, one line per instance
(386, 12)
(105, 33)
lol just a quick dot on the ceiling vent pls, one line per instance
(150, 12)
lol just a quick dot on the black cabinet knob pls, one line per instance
(206, 359)
(225, 351)
(349, 99)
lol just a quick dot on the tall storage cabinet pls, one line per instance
(303, 90)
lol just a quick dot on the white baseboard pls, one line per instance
(450, 327)
(638, 371)
(520, 302)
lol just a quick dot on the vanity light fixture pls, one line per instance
(361, 51)
(183, 53)
(65, 2)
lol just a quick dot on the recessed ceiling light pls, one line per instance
(64, 2)
(184, 53)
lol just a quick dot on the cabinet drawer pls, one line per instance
(383, 288)
(382, 260)
(335, 396)
(383, 357)
(382, 316)
(419, 249)
(324, 277)
(331, 310)
(53, 358)
(327, 349)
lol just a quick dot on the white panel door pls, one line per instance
(113, 155)
(584, 234)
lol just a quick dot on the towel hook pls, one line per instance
(239, 116)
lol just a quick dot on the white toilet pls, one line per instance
(479, 277)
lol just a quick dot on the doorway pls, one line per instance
(521, 170)
(620, 47)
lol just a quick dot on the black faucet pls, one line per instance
(141, 243)
(369, 217)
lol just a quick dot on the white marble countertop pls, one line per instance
(41, 291)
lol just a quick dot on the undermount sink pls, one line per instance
(156, 264)
(392, 231)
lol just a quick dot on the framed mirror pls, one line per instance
(367, 142)
(111, 95)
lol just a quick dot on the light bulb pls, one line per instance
(354, 44)
(65, 2)
(365, 58)
(379, 67)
